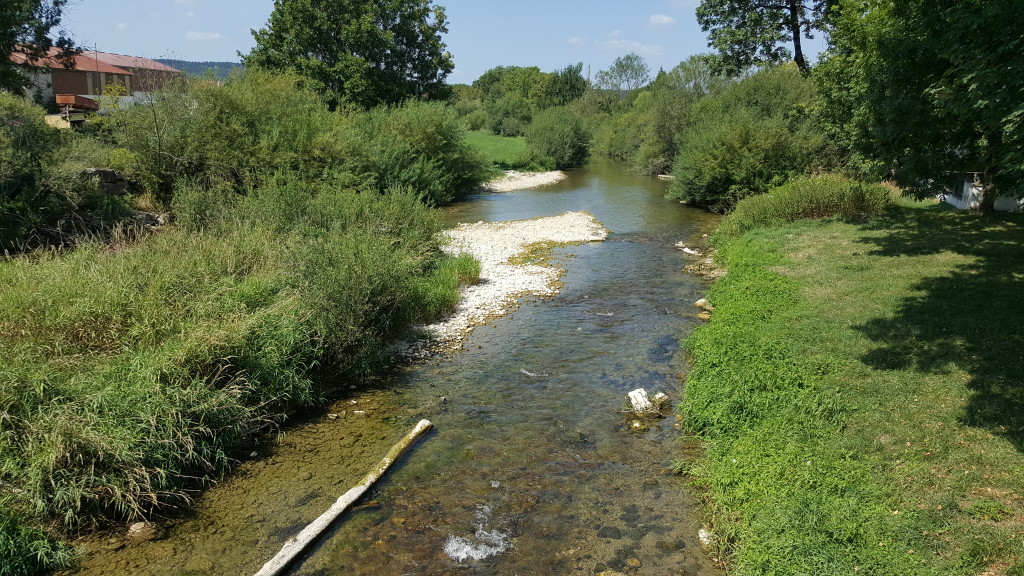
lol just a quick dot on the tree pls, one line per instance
(25, 29)
(627, 73)
(932, 89)
(564, 86)
(368, 53)
(749, 32)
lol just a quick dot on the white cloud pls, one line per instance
(626, 46)
(203, 36)
(121, 25)
(616, 43)
(661, 21)
(684, 3)
(577, 41)
(190, 14)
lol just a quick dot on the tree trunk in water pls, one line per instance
(294, 546)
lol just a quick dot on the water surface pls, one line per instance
(532, 467)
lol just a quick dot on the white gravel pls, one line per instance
(502, 283)
(522, 180)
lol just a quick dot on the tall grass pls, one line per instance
(809, 198)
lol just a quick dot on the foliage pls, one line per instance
(808, 198)
(165, 354)
(756, 134)
(646, 135)
(563, 86)
(931, 89)
(626, 73)
(39, 202)
(234, 136)
(748, 32)
(558, 135)
(419, 145)
(27, 550)
(218, 70)
(509, 115)
(25, 27)
(367, 53)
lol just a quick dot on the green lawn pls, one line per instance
(505, 152)
(861, 391)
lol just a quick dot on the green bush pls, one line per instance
(509, 115)
(418, 145)
(808, 198)
(40, 203)
(558, 136)
(236, 136)
(754, 135)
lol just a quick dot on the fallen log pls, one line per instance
(310, 533)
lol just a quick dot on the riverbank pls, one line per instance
(859, 415)
(514, 180)
(502, 279)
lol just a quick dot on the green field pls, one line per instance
(859, 388)
(504, 152)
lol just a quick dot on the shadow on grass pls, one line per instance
(971, 318)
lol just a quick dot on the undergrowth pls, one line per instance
(134, 373)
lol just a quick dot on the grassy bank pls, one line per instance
(859, 391)
(136, 365)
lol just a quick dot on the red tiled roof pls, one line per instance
(123, 61)
(82, 62)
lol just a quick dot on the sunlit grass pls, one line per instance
(859, 387)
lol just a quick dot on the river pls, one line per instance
(532, 468)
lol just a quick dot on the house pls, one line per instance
(966, 194)
(93, 74)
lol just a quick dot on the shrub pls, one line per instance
(509, 115)
(558, 134)
(808, 198)
(417, 145)
(39, 202)
(755, 134)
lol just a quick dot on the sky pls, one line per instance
(481, 34)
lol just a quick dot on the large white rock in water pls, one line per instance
(641, 403)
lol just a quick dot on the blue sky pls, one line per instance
(482, 34)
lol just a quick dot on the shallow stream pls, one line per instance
(531, 468)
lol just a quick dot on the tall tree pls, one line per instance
(748, 32)
(25, 27)
(627, 73)
(369, 52)
(931, 89)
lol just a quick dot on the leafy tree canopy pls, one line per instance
(931, 88)
(749, 32)
(627, 73)
(368, 53)
(25, 27)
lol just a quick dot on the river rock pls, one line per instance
(609, 532)
(144, 532)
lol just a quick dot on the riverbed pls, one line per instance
(532, 467)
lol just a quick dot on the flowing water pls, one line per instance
(532, 468)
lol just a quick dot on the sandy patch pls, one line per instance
(501, 282)
(522, 180)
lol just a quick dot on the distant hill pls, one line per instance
(220, 69)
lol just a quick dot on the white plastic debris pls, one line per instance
(641, 403)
